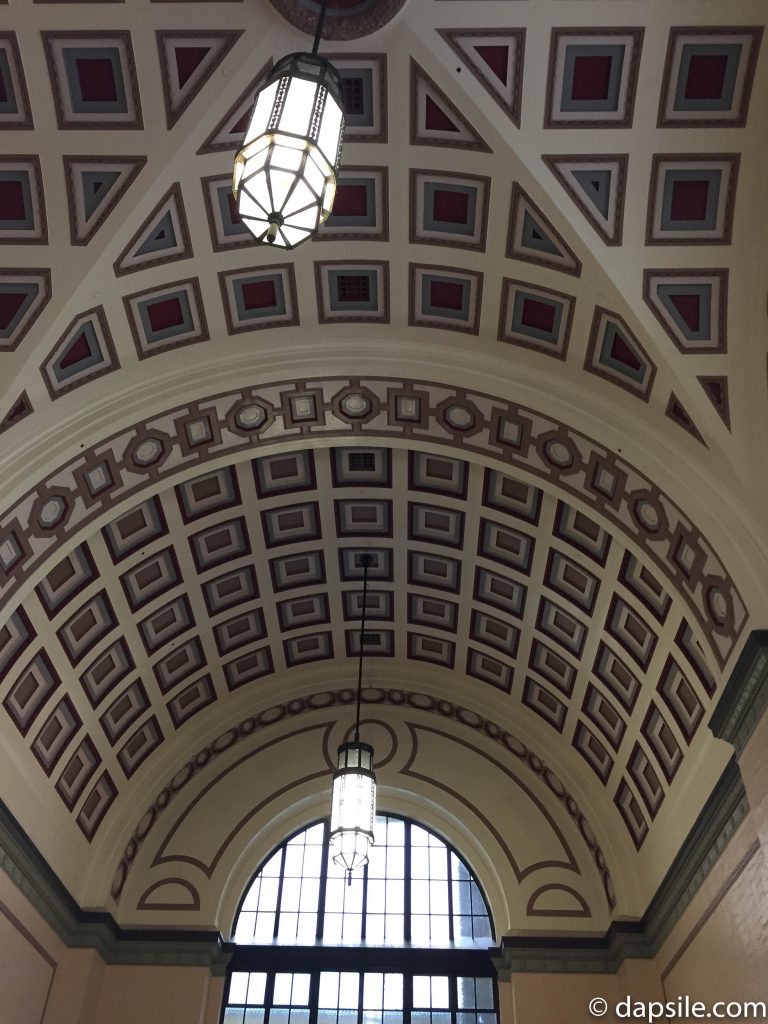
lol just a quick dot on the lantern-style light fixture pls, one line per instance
(353, 807)
(284, 180)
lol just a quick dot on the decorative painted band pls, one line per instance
(238, 424)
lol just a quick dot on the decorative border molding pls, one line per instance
(745, 696)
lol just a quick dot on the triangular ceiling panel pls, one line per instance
(83, 352)
(23, 296)
(162, 238)
(534, 239)
(21, 407)
(14, 100)
(677, 413)
(435, 120)
(690, 306)
(94, 187)
(597, 185)
(495, 58)
(228, 134)
(187, 61)
(615, 354)
(716, 389)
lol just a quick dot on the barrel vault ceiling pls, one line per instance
(523, 364)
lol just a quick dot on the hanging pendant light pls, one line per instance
(353, 806)
(284, 180)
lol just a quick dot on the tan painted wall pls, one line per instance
(44, 982)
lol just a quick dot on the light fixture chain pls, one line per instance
(366, 562)
(319, 29)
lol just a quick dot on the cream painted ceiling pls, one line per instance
(524, 364)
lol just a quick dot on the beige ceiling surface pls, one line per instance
(524, 364)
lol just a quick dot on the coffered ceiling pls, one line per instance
(523, 364)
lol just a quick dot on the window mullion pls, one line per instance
(323, 884)
(280, 890)
(450, 895)
(407, 883)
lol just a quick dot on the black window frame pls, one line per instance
(458, 961)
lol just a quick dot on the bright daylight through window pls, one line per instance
(406, 941)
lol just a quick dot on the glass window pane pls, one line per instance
(438, 863)
(439, 931)
(421, 991)
(484, 990)
(376, 892)
(349, 989)
(374, 928)
(393, 991)
(300, 1016)
(395, 832)
(419, 862)
(272, 867)
(419, 836)
(439, 991)
(329, 989)
(254, 1015)
(286, 930)
(268, 894)
(257, 983)
(420, 897)
(307, 929)
(395, 896)
(238, 987)
(283, 985)
(300, 993)
(438, 897)
(395, 862)
(233, 1015)
(373, 990)
(265, 928)
(394, 929)
(294, 860)
(332, 927)
(246, 924)
(420, 929)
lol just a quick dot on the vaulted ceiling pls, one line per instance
(523, 364)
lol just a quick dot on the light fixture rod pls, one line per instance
(319, 29)
(366, 560)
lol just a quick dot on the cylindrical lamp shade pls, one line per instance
(284, 180)
(353, 808)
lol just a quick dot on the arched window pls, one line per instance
(407, 941)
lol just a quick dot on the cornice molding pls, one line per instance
(723, 813)
(745, 696)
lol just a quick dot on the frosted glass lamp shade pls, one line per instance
(353, 807)
(284, 180)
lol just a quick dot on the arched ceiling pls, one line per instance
(523, 363)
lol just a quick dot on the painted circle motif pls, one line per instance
(52, 512)
(558, 453)
(345, 19)
(250, 417)
(718, 604)
(355, 405)
(148, 451)
(459, 417)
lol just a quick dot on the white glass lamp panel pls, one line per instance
(238, 987)
(288, 158)
(314, 174)
(306, 220)
(300, 199)
(248, 207)
(330, 130)
(329, 195)
(256, 187)
(262, 110)
(281, 183)
(298, 106)
(293, 236)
